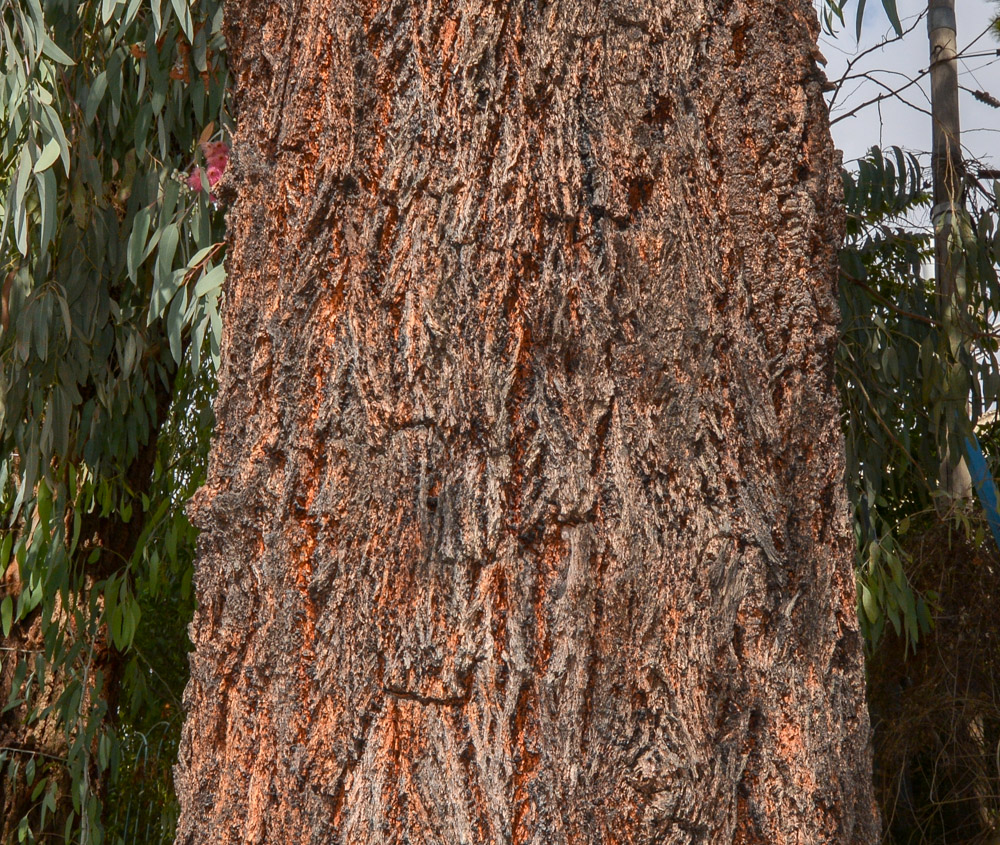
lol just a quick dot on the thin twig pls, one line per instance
(32, 753)
(886, 41)
(896, 91)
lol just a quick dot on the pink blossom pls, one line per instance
(216, 158)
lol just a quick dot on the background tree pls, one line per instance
(911, 372)
(933, 691)
(525, 520)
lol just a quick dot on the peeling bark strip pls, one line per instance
(525, 521)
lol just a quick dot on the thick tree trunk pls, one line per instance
(526, 520)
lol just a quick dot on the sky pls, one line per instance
(908, 124)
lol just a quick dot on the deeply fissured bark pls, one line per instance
(525, 521)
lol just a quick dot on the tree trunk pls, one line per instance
(526, 520)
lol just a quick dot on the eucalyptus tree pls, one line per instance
(111, 115)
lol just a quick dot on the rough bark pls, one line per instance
(525, 520)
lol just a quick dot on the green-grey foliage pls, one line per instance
(111, 276)
(908, 378)
(832, 15)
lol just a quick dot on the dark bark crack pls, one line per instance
(428, 700)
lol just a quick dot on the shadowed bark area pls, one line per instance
(525, 520)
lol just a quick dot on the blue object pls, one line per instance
(983, 482)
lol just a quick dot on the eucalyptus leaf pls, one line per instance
(55, 52)
(130, 12)
(141, 129)
(95, 96)
(21, 228)
(893, 15)
(210, 281)
(175, 325)
(183, 12)
(137, 242)
(48, 200)
(48, 156)
(164, 265)
(55, 127)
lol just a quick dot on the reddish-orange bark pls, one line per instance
(526, 520)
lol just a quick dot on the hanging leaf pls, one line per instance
(892, 15)
(48, 156)
(6, 615)
(54, 52)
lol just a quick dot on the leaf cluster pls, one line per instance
(832, 14)
(914, 371)
(111, 281)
